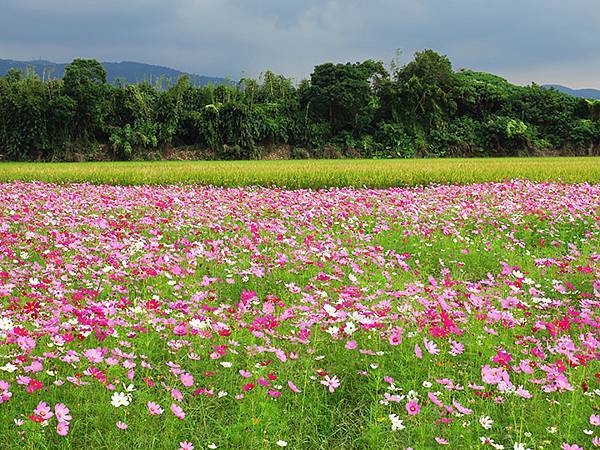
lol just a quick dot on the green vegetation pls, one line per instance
(345, 110)
(312, 173)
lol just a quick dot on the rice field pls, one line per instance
(314, 174)
(460, 316)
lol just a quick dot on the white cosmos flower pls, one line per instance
(333, 330)
(397, 423)
(486, 422)
(9, 367)
(350, 328)
(120, 399)
(198, 324)
(330, 310)
(6, 324)
(520, 446)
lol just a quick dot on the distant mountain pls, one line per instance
(584, 93)
(128, 71)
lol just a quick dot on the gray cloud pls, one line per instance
(527, 40)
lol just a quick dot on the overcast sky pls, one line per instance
(546, 41)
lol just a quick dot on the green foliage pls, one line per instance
(423, 108)
(341, 94)
(85, 84)
(462, 136)
(425, 89)
(24, 106)
(394, 142)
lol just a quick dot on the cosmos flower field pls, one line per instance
(186, 316)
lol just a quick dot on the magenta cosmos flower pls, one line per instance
(413, 408)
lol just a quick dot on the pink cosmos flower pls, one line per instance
(566, 446)
(62, 428)
(418, 352)
(351, 345)
(456, 348)
(43, 410)
(263, 382)
(155, 409)
(523, 393)
(186, 446)
(436, 401)
(122, 425)
(502, 357)
(177, 411)
(431, 346)
(595, 419)
(461, 409)
(186, 379)
(332, 383)
(180, 329)
(62, 412)
(293, 387)
(177, 395)
(395, 337)
(413, 408)
(34, 385)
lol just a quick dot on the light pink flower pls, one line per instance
(186, 379)
(155, 409)
(177, 411)
(418, 352)
(62, 412)
(566, 446)
(293, 387)
(43, 410)
(332, 383)
(62, 428)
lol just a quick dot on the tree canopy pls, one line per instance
(424, 108)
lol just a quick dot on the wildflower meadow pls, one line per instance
(193, 317)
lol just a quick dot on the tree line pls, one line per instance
(423, 108)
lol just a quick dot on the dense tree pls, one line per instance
(423, 108)
(342, 95)
(85, 83)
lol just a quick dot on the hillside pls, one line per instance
(128, 71)
(584, 93)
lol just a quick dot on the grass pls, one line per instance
(310, 173)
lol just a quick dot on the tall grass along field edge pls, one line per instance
(314, 174)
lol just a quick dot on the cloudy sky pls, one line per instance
(547, 41)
